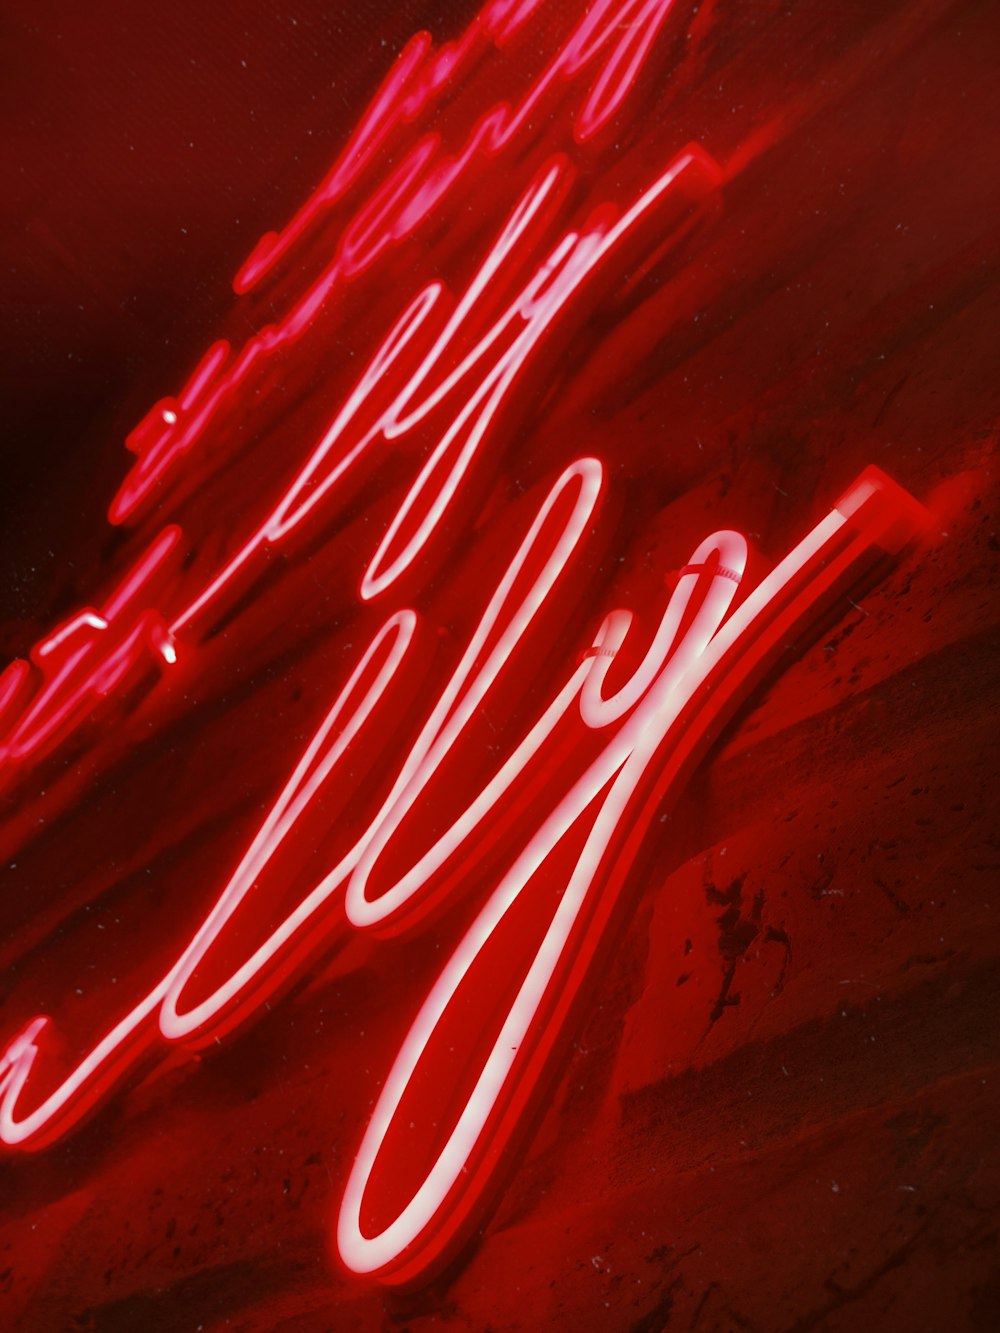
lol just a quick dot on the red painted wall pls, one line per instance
(779, 1108)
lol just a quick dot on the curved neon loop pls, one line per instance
(619, 765)
(18, 1060)
(692, 690)
(492, 365)
(311, 486)
(313, 769)
(319, 762)
(621, 30)
(454, 710)
(598, 711)
(572, 260)
(455, 706)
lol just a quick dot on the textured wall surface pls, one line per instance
(780, 1108)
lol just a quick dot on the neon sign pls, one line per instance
(567, 810)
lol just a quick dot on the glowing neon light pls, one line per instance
(318, 763)
(86, 657)
(454, 708)
(621, 32)
(524, 323)
(481, 382)
(406, 93)
(590, 765)
(707, 668)
(679, 695)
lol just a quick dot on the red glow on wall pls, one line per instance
(510, 672)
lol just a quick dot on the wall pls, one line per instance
(778, 1110)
